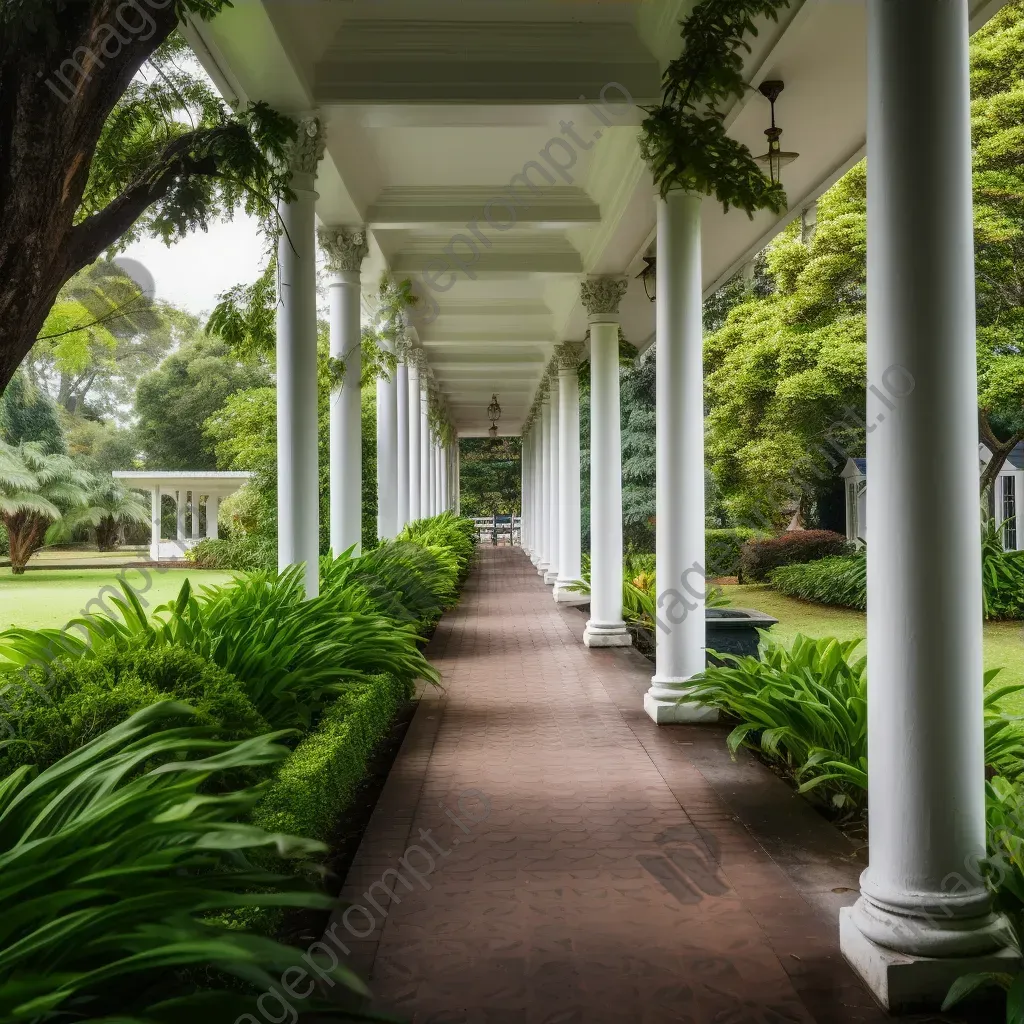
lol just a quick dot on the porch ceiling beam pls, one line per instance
(440, 207)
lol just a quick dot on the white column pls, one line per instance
(601, 297)
(181, 500)
(437, 477)
(921, 896)
(537, 487)
(415, 445)
(554, 512)
(196, 499)
(346, 249)
(443, 477)
(544, 559)
(457, 476)
(387, 457)
(402, 427)
(424, 455)
(298, 485)
(212, 512)
(570, 568)
(679, 544)
(524, 520)
(155, 523)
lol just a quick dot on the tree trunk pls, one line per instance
(1000, 450)
(23, 532)
(48, 135)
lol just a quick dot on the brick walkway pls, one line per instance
(568, 862)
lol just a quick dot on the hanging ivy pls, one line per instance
(684, 140)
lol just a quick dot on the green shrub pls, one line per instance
(117, 861)
(843, 581)
(759, 557)
(245, 553)
(317, 782)
(838, 581)
(292, 655)
(52, 710)
(805, 708)
(1002, 576)
(404, 580)
(723, 549)
(452, 539)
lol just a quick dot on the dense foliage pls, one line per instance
(842, 580)
(758, 557)
(140, 735)
(805, 708)
(115, 860)
(490, 475)
(684, 139)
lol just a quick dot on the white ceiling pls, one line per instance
(433, 110)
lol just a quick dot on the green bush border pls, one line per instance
(316, 784)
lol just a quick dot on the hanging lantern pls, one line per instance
(493, 414)
(649, 276)
(776, 158)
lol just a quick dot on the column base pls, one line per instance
(907, 984)
(551, 577)
(671, 712)
(542, 567)
(564, 596)
(663, 704)
(607, 636)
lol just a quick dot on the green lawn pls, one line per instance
(1004, 641)
(53, 597)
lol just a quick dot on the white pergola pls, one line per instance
(190, 491)
(488, 151)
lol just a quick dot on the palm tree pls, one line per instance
(35, 489)
(108, 508)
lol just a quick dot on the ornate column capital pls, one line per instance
(569, 355)
(601, 297)
(306, 150)
(346, 248)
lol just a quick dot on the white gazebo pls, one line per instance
(488, 152)
(191, 491)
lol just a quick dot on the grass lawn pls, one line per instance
(52, 597)
(1004, 641)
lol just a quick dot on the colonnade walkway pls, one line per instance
(567, 861)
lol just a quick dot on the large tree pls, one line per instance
(106, 129)
(175, 401)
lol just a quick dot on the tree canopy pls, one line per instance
(110, 130)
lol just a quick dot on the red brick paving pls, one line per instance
(618, 872)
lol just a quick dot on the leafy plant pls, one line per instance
(841, 581)
(805, 708)
(1002, 576)
(1003, 871)
(115, 863)
(49, 711)
(291, 654)
(108, 508)
(684, 139)
(759, 557)
(35, 489)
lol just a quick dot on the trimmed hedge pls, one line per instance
(835, 581)
(52, 710)
(723, 549)
(760, 557)
(316, 783)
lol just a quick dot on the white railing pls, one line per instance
(497, 529)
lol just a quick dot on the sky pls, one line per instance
(193, 272)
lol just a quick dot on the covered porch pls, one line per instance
(491, 160)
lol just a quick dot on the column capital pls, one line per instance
(601, 297)
(306, 150)
(569, 355)
(346, 248)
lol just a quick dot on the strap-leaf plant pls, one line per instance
(684, 140)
